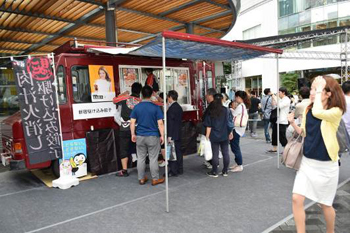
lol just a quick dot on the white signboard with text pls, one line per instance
(93, 110)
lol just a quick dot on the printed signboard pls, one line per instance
(37, 100)
(101, 83)
(75, 153)
(93, 110)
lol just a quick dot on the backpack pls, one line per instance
(155, 86)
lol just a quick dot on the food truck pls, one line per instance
(85, 102)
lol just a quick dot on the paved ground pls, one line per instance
(249, 202)
(315, 221)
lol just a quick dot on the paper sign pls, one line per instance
(93, 110)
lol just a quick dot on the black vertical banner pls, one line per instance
(37, 100)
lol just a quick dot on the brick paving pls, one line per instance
(315, 222)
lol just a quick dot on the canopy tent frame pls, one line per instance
(187, 46)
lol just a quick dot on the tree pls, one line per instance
(290, 81)
(227, 68)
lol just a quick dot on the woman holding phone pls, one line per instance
(317, 178)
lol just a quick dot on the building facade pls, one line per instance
(264, 18)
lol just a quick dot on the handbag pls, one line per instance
(273, 116)
(171, 154)
(343, 138)
(293, 152)
(241, 120)
(208, 153)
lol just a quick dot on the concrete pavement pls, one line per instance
(251, 201)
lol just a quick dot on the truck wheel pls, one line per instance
(55, 168)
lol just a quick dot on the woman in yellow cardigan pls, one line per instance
(317, 178)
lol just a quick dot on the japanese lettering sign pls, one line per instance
(37, 99)
(93, 110)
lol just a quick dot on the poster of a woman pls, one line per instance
(101, 82)
(130, 76)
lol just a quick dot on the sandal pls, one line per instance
(271, 151)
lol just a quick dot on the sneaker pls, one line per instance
(212, 174)
(122, 173)
(207, 164)
(162, 164)
(224, 174)
(233, 167)
(237, 169)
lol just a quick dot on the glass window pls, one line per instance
(345, 22)
(61, 79)
(8, 93)
(305, 17)
(182, 85)
(128, 76)
(283, 23)
(81, 84)
(252, 33)
(293, 21)
(210, 79)
(286, 7)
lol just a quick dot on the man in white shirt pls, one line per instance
(300, 107)
(284, 104)
(346, 116)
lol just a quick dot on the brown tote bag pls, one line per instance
(293, 152)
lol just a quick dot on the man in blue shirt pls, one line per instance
(149, 120)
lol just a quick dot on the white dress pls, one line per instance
(317, 180)
(103, 86)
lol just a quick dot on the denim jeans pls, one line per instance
(253, 124)
(236, 149)
(224, 150)
(266, 129)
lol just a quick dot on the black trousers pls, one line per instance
(176, 167)
(283, 139)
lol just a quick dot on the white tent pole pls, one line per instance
(165, 131)
(278, 112)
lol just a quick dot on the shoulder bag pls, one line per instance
(241, 120)
(293, 152)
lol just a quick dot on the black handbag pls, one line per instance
(273, 116)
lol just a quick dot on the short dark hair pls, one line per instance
(304, 92)
(161, 95)
(346, 87)
(136, 88)
(267, 91)
(147, 92)
(211, 91)
(149, 70)
(284, 90)
(253, 93)
(173, 94)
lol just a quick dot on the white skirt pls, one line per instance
(317, 180)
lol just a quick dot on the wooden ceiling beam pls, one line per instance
(19, 50)
(181, 7)
(227, 7)
(23, 42)
(92, 2)
(42, 16)
(162, 17)
(70, 27)
(45, 33)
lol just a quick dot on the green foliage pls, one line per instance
(227, 68)
(290, 81)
